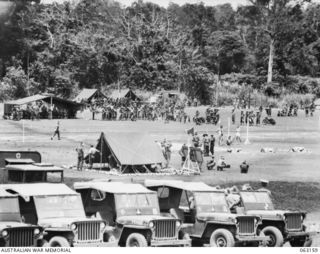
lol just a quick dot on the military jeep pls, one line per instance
(13, 231)
(280, 225)
(205, 214)
(59, 210)
(32, 173)
(133, 213)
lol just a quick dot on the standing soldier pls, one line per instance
(233, 116)
(212, 143)
(242, 118)
(206, 145)
(258, 118)
(92, 152)
(166, 146)
(199, 156)
(80, 156)
(57, 131)
(238, 139)
(196, 139)
(183, 153)
(220, 135)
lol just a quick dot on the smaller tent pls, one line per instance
(128, 152)
(87, 95)
(125, 93)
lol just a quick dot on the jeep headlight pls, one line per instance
(4, 233)
(36, 231)
(102, 225)
(151, 224)
(234, 220)
(73, 226)
(178, 223)
(281, 216)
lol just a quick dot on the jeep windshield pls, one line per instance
(9, 209)
(68, 206)
(256, 201)
(208, 202)
(137, 204)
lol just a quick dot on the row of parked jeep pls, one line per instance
(34, 212)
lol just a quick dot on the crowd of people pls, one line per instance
(38, 110)
(166, 109)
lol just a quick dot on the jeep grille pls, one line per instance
(89, 231)
(294, 221)
(21, 237)
(246, 225)
(165, 229)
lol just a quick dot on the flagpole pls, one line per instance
(228, 127)
(22, 131)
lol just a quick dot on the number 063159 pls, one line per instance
(309, 250)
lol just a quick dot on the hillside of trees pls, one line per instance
(270, 47)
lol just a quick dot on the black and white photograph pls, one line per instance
(169, 123)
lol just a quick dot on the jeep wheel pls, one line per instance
(276, 238)
(222, 238)
(58, 241)
(136, 240)
(301, 243)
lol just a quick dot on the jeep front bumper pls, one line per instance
(252, 238)
(96, 244)
(299, 234)
(175, 242)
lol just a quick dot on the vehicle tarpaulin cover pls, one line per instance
(128, 149)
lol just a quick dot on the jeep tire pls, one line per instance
(276, 237)
(136, 240)
(222, 238)
(58, 241)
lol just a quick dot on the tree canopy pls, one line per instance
(62, 48)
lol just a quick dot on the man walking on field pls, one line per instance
(57, 131)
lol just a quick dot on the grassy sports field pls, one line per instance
(294, 177)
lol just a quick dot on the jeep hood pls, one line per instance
(61, 222)
(141, 220)
(272, 214)
(223, 217)
(13, 224)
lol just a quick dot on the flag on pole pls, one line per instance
(190, 131)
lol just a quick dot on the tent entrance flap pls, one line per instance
(106, 154)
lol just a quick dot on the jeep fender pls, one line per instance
(211, 226)
(128, 229)
(279, 224)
